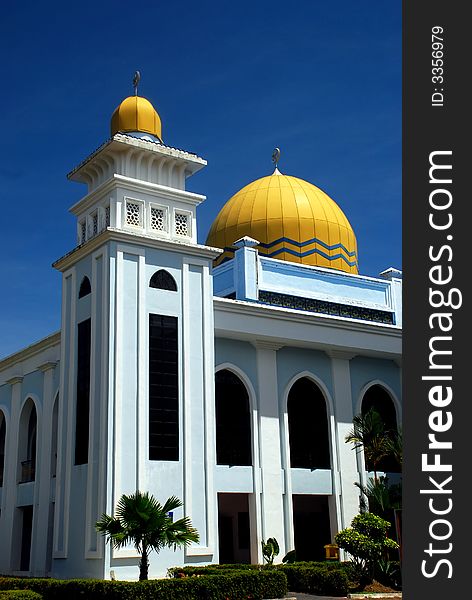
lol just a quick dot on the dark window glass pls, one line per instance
(83, 393)
(31, 450)
(244, 532)
(26, 531)
(308, 426)
(163, 388)
(85, 287)
(163, 280)
(233, 420)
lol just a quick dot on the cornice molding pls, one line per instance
(121, 142)
(48, 342)
(280, 313)
(48, 366)
(119, 235)
(132, 184)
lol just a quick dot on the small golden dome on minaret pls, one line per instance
(136, 114)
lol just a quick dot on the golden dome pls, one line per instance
(292, 219)
(136, 114)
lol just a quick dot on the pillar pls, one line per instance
(347, 492)
(272, 485)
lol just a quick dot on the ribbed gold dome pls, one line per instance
(292, 219)
(136, 114)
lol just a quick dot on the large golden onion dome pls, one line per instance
(138, 115)
(292, 219)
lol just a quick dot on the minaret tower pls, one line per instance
(137, 345)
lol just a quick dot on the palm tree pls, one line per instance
(142, 521)
(380, 498)
(395, 446)
(369, 433)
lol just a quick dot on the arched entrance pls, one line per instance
(233, 449)
(309, 447)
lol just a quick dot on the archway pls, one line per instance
(378, 398)
(233, 420)
(308, 426)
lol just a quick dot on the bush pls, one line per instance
(235, 585)
(388, 572)
(325, 580)
(367, 542)
(212, 569)
(19, 595)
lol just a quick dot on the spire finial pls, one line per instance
(275, 159)
(276, 156)
(136, 80)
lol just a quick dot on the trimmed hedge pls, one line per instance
(219, 569)
(321, 578)
(19, 595)
(234, 585)
(213, 570)
(321, 581)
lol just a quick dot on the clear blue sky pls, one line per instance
(231, 80)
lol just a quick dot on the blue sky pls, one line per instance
(321, 80)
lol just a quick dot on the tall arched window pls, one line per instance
(163, 280)
(233, 420)
(3, 435)
(308, 426)
(379, 399)
(28, 442)
(85, 287)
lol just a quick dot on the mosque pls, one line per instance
(226, 373)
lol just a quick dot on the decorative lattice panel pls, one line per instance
(83, 232)
(328, 308)
(95, 224)
(158, 219)
(107, 216)
(182, 226)
(133, 214)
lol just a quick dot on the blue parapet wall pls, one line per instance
(367, 298)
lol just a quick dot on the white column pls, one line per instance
(245, 271)
(10, 479)
(43, 480)
(347, 492)
(272, 485)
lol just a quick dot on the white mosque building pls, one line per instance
(226, 373)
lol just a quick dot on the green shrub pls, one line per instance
(19, 595)
(325, 580)
(367, 542)
(388, 572)
(270, 550)
(212, 569)
(235, 585)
